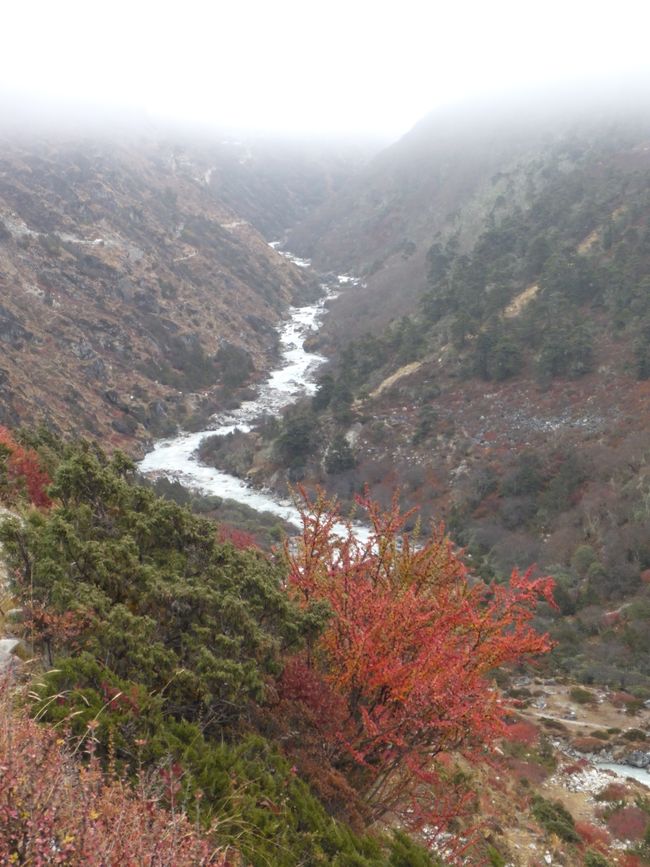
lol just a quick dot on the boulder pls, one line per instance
(637, 758)
(7, 648)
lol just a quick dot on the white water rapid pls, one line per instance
(295, 377)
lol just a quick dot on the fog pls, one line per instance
(304, 68)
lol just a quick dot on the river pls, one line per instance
(294, 378)
(640, 774)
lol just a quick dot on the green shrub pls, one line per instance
(595, 859)
(581, 696)
(151, 590)
(555, 819)
(163, 639)
(340, 456)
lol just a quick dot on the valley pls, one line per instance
(460, 335)
(294, 378)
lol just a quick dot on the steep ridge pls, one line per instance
(457, 168)
(128, 287)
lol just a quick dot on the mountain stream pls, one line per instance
(294, 378)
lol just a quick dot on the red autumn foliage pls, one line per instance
(613, 792)
(306, 718)
(241, 539)
(574, 767)
(116, 700)
(628, 823)
(588, 744)
(627, 860)
(302, 683)
(24, 471)
(521, 770)
(51, 628)
(522, 732)
(54, 810)
(611, 618)
(411, 645)
(593, 835)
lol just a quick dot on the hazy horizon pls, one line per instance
(303, 70)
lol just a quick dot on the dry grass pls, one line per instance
(520, 301)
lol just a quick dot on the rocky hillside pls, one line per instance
(532, 797)
(134, 293)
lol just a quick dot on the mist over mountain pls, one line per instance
(439, 179)
(494, 359)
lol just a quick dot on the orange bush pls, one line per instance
(627, 860)
(241, 539)
(574, 767)
(588, 744)
(592, 834)
(411, 645)
(521, 770)
(613, 792)
(621, 699)
(522, 732)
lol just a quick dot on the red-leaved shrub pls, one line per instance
(522, 732)
(628, 823)
(521, 770)
(241, 539)
(574, 767)
(54, 810)
(410, 647)
(621, 699)
(592, 834)
(588, 744)
(24, 471)
(613, 792)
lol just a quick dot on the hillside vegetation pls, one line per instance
(182, 684)
(232, 680)
(203, 703)
(510, 395)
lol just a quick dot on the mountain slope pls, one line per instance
(125, 281)
(459, 167)
(276, 183)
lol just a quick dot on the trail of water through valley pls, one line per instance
(294, 378)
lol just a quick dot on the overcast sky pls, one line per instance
(309, 66)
